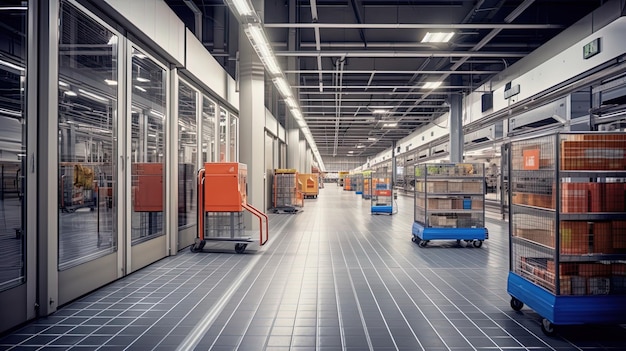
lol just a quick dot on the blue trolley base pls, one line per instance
(422, 235)
(382, 210)
(566, 309)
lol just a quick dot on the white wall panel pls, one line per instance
(202, 65)
(157, 21)
(271, 123)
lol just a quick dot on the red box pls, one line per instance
(602, 238)
(614, 197)
(618, 228)
(594, 270)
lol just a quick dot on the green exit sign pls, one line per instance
(591, 49)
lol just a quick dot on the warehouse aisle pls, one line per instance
(333, 277)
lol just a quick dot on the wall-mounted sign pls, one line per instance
(531, 159)
(591, 49)
(512, 91)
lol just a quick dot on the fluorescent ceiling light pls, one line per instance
(360, 146)
(19, 8)
(10, 65)
(390, 125)
(431, 85)
(70, 93)
(380, 111)
(110, 82)
(262, 46)
(243, 7)
(139, 55)
(140, 88)
(63, 84)
(112, 40)
(291, 102)
(283, 87)
(142, 79)
(92, 95)
(372, 139)
(350, 152)
(437, 37)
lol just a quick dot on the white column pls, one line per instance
(252, 123)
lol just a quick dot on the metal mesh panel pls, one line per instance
(284, 189)
(224, 225)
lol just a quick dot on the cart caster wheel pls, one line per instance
(516, 304)
(477, 243)
(415, 239)
(240, 248)
(547, 327)
(423, 243)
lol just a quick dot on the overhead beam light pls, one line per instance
(243, 7)
(437, 37)
(92, 96)
(431, 85)
(283, 87)
(390, 125)
(110, 82)
(261, 45)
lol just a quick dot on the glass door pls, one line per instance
(147, 87)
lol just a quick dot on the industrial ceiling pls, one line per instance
(360, 67)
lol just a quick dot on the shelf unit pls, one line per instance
(449, 203)
(358, 181)
(568, 228)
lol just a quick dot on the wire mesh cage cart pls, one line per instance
(358, 181)
(567, 224)
(222, 198)
(382, 198)
(449, 203)
(287, 191)
(367, 185)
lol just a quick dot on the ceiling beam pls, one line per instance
(378, 71)
(407, 54)
(440, 26)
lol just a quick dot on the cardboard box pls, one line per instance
(540, 236)
(440, 187)
(567, 268)
(455, 186)
(478, 204)
(473, 187)
(574, 237)
(574, 198)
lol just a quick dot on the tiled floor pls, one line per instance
(333, 277)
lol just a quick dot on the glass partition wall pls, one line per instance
(209, 147)
(187, 156)
(88, 93)
(13, 124)
(147, 154)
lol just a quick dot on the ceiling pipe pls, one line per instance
(339, 79)
(318, 48)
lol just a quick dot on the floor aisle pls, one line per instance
(333, 277)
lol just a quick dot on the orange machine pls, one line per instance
(225, 187)
(222, 197)
(310, 184)
(147, 187)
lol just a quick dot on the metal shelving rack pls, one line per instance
(568, 228)
(382, 197)
(449, 203)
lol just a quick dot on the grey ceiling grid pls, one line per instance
(358, 56)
